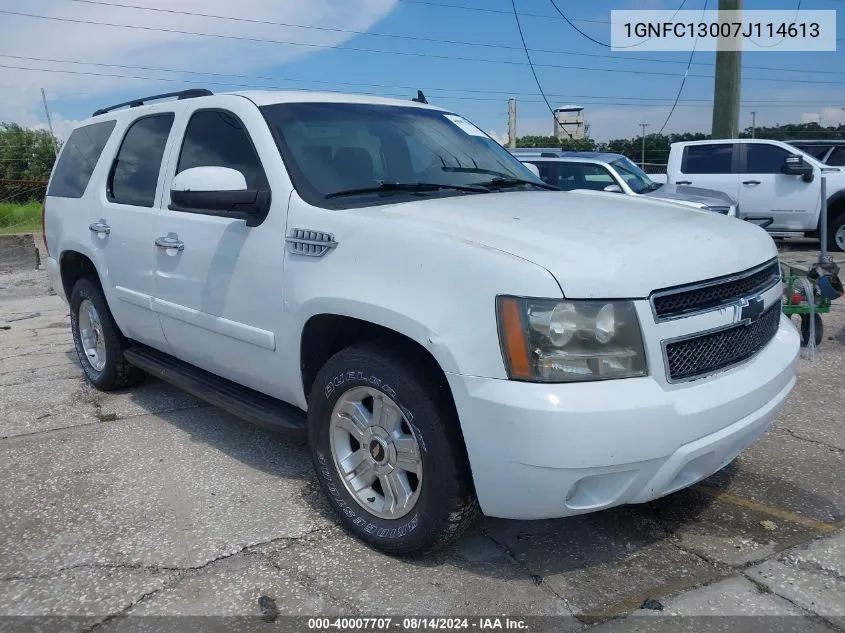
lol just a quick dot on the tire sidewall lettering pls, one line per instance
(353, 513)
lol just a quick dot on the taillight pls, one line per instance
(44, 227)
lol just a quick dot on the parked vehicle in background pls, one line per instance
(773, 182)
(384, 276)
(830, 151)
(604, 171)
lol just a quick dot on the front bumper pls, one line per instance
(544, 451)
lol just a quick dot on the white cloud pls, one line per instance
(501, 139)
(20, 97)
(829, 116)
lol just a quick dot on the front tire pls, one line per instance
(98, 341)
(836, 233)
(388, 452)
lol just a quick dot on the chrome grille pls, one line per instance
(683, 301)
(708, 353)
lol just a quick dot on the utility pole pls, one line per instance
(642, 156)
(512, 122)
(753, 124)
(49, 121)
(726, 87)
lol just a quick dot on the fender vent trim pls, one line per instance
(309, 243)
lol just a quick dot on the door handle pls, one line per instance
(171, 240)
(684, 182)
(753, 183)
(99, 227)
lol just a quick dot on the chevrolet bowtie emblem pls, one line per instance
(749, 310)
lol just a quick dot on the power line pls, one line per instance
(528, 57)
(684, 80)
(504, 92)
(630, 101)
(397, 36)
(388, 52)
(502, 11)
(594, 40)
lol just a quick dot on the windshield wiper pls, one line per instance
(653, 186)
(414, 187)
(503, 183)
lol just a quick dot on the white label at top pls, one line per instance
(713, 30)
(465, 125)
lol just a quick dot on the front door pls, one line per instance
(218, 282)
(765, 191)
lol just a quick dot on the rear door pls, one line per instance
(711, 166)
(765, 191)
(122, 225)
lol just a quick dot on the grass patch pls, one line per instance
(107, 417)
(761, 588)
(20, 218)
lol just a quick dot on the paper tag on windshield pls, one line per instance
(465, 125)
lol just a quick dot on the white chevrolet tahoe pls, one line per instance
(383, 276)
(783, 194)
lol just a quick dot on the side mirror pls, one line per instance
(795, 165)
(218, 191)
(613, 189)
(532, 168)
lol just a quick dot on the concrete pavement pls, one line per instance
(149, 502)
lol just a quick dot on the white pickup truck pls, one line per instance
(775, 184)
(384, 276)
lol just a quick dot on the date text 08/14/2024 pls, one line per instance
(415, 624)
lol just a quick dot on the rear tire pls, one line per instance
(98, 341)
(407, 490)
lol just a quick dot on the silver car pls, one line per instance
(601, 171)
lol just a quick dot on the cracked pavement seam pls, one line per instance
(814, 617)
(509, 555)
(180, 573)
(830, 447)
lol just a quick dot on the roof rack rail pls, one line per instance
(181, 94)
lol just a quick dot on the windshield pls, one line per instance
(635, 177)
(354, 149)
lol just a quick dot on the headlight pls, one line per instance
(547, 340)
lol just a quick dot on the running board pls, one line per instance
(242, 402)
(783, 234)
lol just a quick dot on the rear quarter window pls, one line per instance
(78, 159)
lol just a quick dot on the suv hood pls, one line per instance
(596, 244)
(708, 197)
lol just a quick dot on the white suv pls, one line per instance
(383, 275)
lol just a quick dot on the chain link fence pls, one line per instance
(20, 205)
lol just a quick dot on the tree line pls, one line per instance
(26, 154)
(657, 145)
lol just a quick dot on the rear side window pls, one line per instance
(78, 159)
(135, 171)
(708, 159)
(218, 139)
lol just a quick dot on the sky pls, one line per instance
(467, 58)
